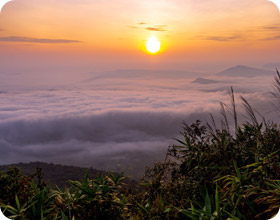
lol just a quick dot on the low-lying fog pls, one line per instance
(118, 120)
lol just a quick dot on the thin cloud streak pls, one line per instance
(272, 27)
(133, 27)
(273, 38)
(37, 40)
(148, 28)
(220, 38)
(157, 28)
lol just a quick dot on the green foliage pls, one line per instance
(217, 175)
(13, 183)
(99, 198)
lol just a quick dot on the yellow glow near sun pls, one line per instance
(153, 45)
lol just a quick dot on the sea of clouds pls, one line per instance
(119, 120)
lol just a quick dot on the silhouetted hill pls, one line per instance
(139, 73)
(245, 71)
(204, 81)
(54, 174)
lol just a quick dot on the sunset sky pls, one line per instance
(94, 34)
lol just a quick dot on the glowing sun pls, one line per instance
(153, 45)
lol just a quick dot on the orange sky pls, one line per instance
(105, 32)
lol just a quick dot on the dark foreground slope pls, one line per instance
(55, 174)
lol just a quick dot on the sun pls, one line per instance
(153, 45)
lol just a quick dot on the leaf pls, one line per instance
(237, 170)
(55, 217)
(167, 210)
(208, 203)
(17, 203)
(63, 216)
(142, 208)
(217, 200)
(42, 214)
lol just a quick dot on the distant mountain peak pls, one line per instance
(242, 66)
(245, 71)
(204, 81)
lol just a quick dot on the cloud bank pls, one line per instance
(120, 120)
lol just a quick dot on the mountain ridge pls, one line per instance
(57, 174)
(245, 71)
(200, 80)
